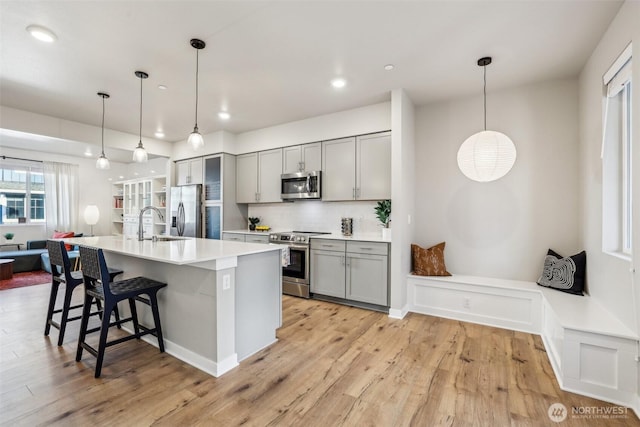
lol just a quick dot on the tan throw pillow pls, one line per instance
(429, 262)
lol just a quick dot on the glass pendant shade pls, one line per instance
(486, 156)
(103, 162)
(140, 154)
(195, 139)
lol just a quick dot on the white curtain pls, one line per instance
(61, 196)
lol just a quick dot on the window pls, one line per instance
(21, 194)
(617, 167)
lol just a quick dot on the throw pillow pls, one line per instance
(429, 262)
(564, 274)
(63, 235)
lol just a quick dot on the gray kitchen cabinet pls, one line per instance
(357, 168)
(269, 171)
(339, 173)
(355, 271)
(367, 272)
(233, 237)
(247, 178)
(373, 166)
(302, 158)
(189, 171)
(242, 237)
(253, 238)
(258, 177)
(327, 274)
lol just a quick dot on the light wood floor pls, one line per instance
(332, 366)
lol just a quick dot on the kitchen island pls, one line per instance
(222, 302)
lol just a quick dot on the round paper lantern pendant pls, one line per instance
(487, 155)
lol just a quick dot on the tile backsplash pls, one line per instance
(313, 215)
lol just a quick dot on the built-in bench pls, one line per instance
(591, 351)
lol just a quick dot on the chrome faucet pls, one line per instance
(142, 211)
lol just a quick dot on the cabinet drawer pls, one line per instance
(233, 237)
(328, 245)
(373, 248)
(256, 239)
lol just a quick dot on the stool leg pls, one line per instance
(117, 314)
(84, 322)
(156, 319)
(134, 317)
(68, 293)
(104, 330)
(52, 305)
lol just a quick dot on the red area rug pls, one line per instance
(27, 278)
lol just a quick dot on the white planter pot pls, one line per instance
(386, 234)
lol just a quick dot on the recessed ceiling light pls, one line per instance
(389, 67)
(159, 134)
(338, 82)
(121, 177)
(42, 33)
(88, 153)
(162, 87)
(224, 115)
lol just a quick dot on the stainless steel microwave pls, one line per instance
(301, 185)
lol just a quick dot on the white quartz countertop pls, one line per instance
(187, 250)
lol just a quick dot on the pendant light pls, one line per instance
(195, 139)
(140, 154)
(488, 155)
(103, 162)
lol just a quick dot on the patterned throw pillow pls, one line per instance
(429, 262)
(564, 274)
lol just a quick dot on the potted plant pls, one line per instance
(383, 213)
(8, 236)
(253, 221)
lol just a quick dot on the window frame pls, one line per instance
(28, 206)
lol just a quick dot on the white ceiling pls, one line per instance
(270, 62)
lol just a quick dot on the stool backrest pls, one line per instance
(58, 257)
(94, 268)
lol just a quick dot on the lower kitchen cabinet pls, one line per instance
(243, 237)
(351, 270)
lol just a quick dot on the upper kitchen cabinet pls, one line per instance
(302, 158)
(258, 177)
(357, 168)
(189, 171)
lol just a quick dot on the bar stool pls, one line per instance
(61, 273)
(98, 287)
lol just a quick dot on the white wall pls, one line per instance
(358, 121)
(609, 278)
(501, 229)
(95, 189)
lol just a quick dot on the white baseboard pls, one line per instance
(395, 313)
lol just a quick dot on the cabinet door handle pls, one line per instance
(358, 193)
(365, 249)
(342, 260)
(354, 193)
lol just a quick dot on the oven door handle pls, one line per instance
(298, 247)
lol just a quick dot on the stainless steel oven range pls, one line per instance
(295, 277)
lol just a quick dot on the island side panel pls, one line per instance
(258, 301)
(188, 310)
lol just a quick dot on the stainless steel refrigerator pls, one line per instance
(186, 210)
